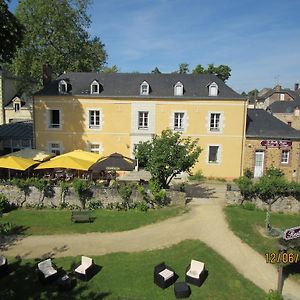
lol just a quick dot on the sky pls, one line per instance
(259, 40)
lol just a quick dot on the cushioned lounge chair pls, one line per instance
(46, 271)
(86, 269)
(3, 266)
(196, 273)
(164, 276)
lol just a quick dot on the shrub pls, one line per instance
(249, 205)
(6, 228)
(95, 205)
(274, 172)
(274, 295)
(142, 206)
(248, 173)
(125, 192)
(82, 189)
(246, 187)
(197, 176)
(4, 204)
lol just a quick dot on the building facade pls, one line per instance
(271, 143)
(108, 113)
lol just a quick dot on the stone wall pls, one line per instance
(53, 197)
(286, 204)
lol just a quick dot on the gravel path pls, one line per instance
(205, 222)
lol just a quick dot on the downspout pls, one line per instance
(243, 137)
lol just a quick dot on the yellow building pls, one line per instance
(109, 113)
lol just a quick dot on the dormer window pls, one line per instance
(213, 89)
(178, 89)
(63, 87)
(144, 90)
(95, 87)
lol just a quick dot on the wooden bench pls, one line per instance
(81, 216)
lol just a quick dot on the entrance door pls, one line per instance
(259, 163)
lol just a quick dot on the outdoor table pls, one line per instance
(64, 283)
(182, 290)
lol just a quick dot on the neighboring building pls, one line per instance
(109, 113)
(270, 142)
(284, 104)
(16, 136)
(13, 108)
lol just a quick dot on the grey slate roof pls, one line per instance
(284, 106)
(18, 130)
(128, 85)
(261, 124)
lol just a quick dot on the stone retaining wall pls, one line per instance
(286, 204)
(54, 199)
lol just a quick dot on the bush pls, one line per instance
(274, 295)
(6, 228)
(197, 176)
(141, 206)
(249, 205)
(246, 187)
(274, 172)
(82, 189)
(4, 204)
(248, 173)
(95, 205)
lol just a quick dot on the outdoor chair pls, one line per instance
(196, 273)
(3, 266)
(46, 271)
(86, 270)
(164, 276)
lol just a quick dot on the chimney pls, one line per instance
(296, 87)
(47, 74)
(277, 88)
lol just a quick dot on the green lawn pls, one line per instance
(129, 276)
(52, 221)
(244, 223)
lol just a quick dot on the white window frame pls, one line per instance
(143, 116)
(62, 84)
(218, 161)
(95, 83)
(50, 124)
(285, 157)
(214, 122)
(178, 89)
(54, 149)
(282, 96)
(94, 112)
(144, 88)
(97, 150)
(213, 89)
(178, 118)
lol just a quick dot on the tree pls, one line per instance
(11, 33)
(156, 71)
(56, 33)
(167, 156)
(183, 68)
(198, 70)
(253, 93)
(222, 71)
(112, 69)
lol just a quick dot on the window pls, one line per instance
(281, 97)
(94, 119)
(178, 121)
(63, 87)
(144, 88)
(95, 148)
(55, 148)
(143, 119)
(213, 154)
(95, 87)
(289, 123)
(213, 89)
(178, 89)
(54, 118)
(214, 122)
(285, 156)
(17, 107)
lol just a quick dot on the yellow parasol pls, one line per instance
(66, 162)
(33, 154)
(80, 154)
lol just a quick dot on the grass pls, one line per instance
(52, 221)
(244, 223)
(129, 276)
